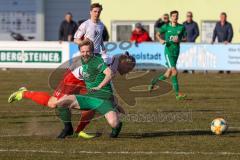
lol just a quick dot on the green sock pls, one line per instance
(175, 84)
(162, 77)
(64, 114)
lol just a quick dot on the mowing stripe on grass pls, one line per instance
(121, 152)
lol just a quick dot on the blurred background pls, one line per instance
(41, 19)
(133, 21)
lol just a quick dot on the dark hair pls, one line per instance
(96, 5)
(166, 14)
(224, 14)
(86, 42)
(173, 12)
(68, 13)
(190, 12)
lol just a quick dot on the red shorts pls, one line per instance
(70, 85)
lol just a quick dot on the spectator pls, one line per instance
(159, 23)
(67, 28)
(223, 30)
(139, 34)
(191, 28)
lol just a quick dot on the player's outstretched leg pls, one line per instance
(84, 121)
(41, 98)
(17, 96)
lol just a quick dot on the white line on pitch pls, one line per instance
(120, 152)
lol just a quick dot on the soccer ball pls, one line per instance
(219, 126)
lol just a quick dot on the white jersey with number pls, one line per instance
(92, 31)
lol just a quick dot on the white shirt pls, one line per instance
(92, 31)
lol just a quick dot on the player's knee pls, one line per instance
(52, 102)
(174, 71)
(168, 73)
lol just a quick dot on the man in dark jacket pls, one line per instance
(191, 28)
(160, 22)
(223, 30)
(67, 28)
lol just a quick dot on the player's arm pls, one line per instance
(107, 79)
(158, 34)
(80, 33)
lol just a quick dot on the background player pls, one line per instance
(92, 29)
(174, 34)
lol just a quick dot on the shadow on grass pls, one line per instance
(174, 133)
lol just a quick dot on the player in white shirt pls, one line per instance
(92, 29)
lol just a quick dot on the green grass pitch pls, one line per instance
(155, 128)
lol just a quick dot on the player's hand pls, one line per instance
(162, 41)
(104, 52)
(94, 89)
(175, 39)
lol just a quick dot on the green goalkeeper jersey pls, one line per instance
(171, 32)
(92, 72)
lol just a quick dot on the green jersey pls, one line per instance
(92, 72)
(172, 32)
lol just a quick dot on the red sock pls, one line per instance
(38, 97)
(85, 120)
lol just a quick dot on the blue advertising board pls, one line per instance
(192, 56)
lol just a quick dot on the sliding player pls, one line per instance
(97, 76)
(174, 34)
(73, 84)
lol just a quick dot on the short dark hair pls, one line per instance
(68, 13)
(173, 12)
(224, 14)
(190, 12)
(96, 5)
(87, 42)
(166, 14)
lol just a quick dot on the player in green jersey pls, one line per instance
(97, 76)
(174, 34)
